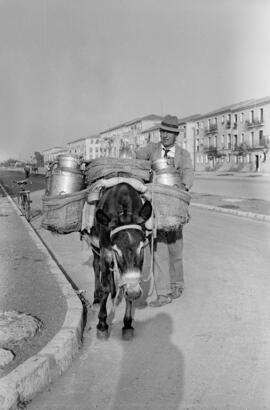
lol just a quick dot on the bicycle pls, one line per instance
(23, 198)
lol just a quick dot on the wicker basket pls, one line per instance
(112, 167)
(63, 213)
(170, 205)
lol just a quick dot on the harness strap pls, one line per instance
(124, 227)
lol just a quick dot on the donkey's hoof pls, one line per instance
(102, 334)
(128, 333)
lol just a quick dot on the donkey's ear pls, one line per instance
(102, 217)
(145, 212)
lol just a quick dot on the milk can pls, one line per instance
(65, 176)
(165, 173)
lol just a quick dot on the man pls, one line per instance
(168, 251)
(27, 171)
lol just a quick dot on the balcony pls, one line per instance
(254, 123)
(211, 129)
(228, 124)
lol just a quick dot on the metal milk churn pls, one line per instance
(165, 173)
(65, 176)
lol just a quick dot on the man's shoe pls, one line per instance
(176, 293)
(161, 300)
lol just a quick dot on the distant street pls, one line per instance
(232, 186)
(210, 349)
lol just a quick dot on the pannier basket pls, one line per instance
(113, 167)
(63, 213)
(170, 206)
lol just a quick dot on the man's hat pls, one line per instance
(169, 123)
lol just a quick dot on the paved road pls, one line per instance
(208, 350)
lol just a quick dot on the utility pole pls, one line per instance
(194, 149)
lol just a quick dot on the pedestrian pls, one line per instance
(168, 246)
(27, 171)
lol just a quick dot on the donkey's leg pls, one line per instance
(128, 330)
(98, 289)
(102, 326)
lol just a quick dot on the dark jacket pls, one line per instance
(182, 160)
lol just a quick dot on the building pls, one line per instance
(234, 137)
(51, 154)
(86, 147)
(130, 134)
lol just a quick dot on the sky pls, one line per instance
(73, 68)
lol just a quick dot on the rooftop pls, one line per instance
(237, 106)
(150, 117)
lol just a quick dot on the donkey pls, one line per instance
(120, 229)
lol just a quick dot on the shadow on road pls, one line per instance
(152, 373)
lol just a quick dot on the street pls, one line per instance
(210, 349)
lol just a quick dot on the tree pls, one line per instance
(212, 152)
(39, 159)
(243, 149)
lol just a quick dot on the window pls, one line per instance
(222, 139)
(209, 141)
(215, 141)
(242, 138)
(261, 115)
(222, 119)
(242, 117)
(229, 141)
(252, 138)
(261, 137)
(251, 116)
(235, 140)
(197, 144)
(216, 121)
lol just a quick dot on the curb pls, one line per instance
(250, 215)
(37, 372)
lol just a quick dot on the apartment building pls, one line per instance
(130, 134)
(51, 154)
(234, 137)
(86, 147)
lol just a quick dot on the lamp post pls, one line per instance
(194, 149)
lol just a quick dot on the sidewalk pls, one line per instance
(247, 208)
(232, 174)
(32, 283)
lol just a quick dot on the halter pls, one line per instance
(124, 227)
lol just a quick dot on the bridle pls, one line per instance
(115, 269)
(124, 227)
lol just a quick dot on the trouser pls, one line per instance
(168, 263)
